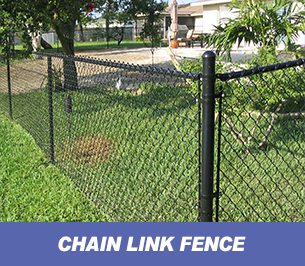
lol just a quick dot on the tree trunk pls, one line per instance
(107, 23)
(107, 31)
(120, 35)
(36, 41)
(81, 31)
(45, 44)
(70, 74)
(65, 33)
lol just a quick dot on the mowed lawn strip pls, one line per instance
(31, 189)
(99, 45)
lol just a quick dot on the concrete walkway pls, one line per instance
(164, 57)
(197, 52)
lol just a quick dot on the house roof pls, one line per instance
(210, 2)
(186, 9)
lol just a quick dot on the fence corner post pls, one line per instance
(208, 127)
(51, 125)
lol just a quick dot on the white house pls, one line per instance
(213, 12)
(216, 11)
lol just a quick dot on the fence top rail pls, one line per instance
(132, 67)
(260, 70)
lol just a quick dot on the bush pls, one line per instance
(262, 97)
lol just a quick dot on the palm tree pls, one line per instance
(266, 25)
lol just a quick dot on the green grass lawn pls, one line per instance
(267, 184)
(151, 171)
(82, 46)
(31, 189)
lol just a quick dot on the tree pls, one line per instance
(122, 19)
(110, 14)
(34, 15)
(11, 20)
(31, 16)
(150, 11)
(126, 11)
(266, 25)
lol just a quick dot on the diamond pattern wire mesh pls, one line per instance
(127, 135)
(27, 79)
(263, 144)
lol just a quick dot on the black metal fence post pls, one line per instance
(208, 127)
(9, 86)
(50, 87)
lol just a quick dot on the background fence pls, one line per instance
(86, 35)
(98, 34)
(139, 141)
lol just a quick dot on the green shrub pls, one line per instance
(262, 97)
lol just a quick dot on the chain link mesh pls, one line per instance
(263, 144)
(127, 135)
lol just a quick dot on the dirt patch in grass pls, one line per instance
(92, 149)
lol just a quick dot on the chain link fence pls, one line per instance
(263, 144)
(140, 141)
(127, 135)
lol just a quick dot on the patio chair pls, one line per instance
(188, 39)
(197, 37)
